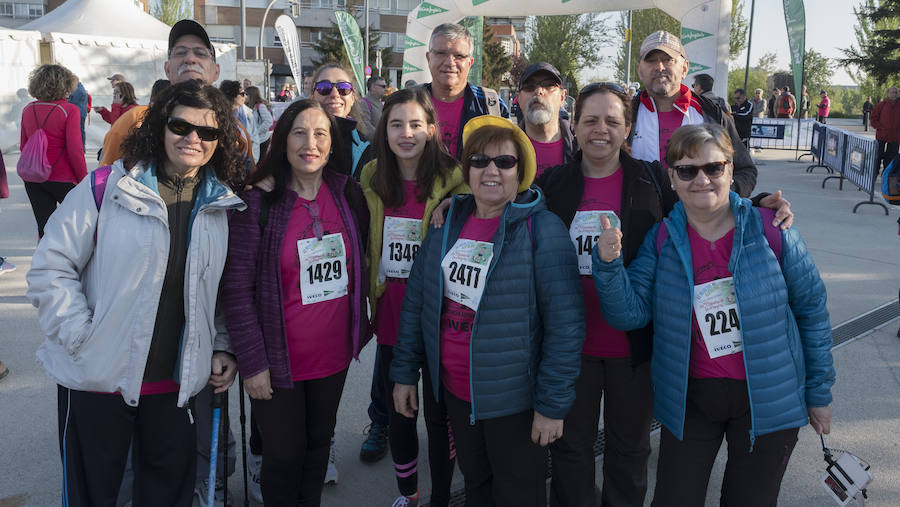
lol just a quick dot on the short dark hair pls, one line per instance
(740, 90)
(596, 88)
(147, 142)
(786, 89)
(158, 87)
(705, 81)
(372, 80)
(230, 89)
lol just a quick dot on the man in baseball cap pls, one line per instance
(541, 94)
(116, 79)
(191, 54)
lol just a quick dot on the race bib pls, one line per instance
(465, 269)
(399, 246)
(716, 309)
(585, 231)
(323, 268)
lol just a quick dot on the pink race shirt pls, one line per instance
(449, 116)
(548, 155)
(710, 261)
(601, 339)
(387, 318)
(457, 319)
(668, 123)
(318, 334)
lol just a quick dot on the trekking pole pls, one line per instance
(227, 425)
(243, 419)
(217, 402)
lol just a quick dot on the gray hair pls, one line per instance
(452, 31)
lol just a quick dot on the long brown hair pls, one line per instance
(434, 163)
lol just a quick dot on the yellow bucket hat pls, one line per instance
(529, 160)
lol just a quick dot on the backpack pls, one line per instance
(772, 232)
(890, 182)
(99, 177)
(33, 166)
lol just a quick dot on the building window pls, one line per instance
(35, 11)
(277, 42)
(222, 40)
(6, 9)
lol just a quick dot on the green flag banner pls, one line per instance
(690, 34)
(427, 9)
(412, 43)
(353, 43)
(475, 25)
(795, 19)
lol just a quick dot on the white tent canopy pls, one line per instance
(109, 18)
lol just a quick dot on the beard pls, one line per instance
(663, 87)
(539, 112)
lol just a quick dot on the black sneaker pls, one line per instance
(374, 447)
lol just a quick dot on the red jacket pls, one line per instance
(63, 129)
(117, 111)
(886, 120)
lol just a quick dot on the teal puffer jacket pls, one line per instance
(785, 328)
(529, 328)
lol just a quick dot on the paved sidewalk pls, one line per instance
(856, 254)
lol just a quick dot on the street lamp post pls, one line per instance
(295, 13)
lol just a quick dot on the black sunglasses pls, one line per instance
(324, 88)
(606, 86)
(480, 161)
(180, 127)
(547, 84)
(712, 170)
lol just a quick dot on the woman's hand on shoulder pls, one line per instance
(266, 184)
(440, 212)
(784, 217)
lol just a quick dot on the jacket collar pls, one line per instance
(212, 191)
(683, 102)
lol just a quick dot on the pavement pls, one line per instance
(855, 253)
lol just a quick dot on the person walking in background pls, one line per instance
(61, 123)
(264, 121)
(804, 104)
(123, 100)
(81, 100)
(131, 119)
(867, 109)
(5, 265)
(703, 85)
(886, 121)
(743, 115)
(824, 107)
(787, 103)
(371, 104)
(759, 103)
(244, 115)
(772, 104)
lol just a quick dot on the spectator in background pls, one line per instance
(371, 105)
(886, 120)
(703, 85)
(82, 101)
(285, 94)
(112, 143)
(787, 103)
(772, 105)
(867, 110)
(804, 104)
(743, 115)
(824, 107)
(759, 103)
(123, 100)
(264, 122)
(409, 83)
(5, 265)
(541, 94)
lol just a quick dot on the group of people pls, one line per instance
(524, 273)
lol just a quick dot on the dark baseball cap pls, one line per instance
(534, 68)
(189, 27)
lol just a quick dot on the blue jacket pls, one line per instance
(525, 351)
(785, 328)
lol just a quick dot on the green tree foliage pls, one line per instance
(818, 71)
(767, 62)
(756, 79)
(495, 61)
(863, 31)
(737, 39)
(571, 43)
(877, 49)
(171, 11)
(643, 23)
(330, 48)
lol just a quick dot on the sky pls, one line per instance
(829, 27)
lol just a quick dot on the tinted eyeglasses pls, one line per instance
(547, 84)
(180, 127)
(712, 170)
(480, 161)
(607, 85)
(200, 52)
(324, 88)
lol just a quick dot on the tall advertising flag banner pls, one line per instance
(290, 42)
(795, 19)
(353, 43)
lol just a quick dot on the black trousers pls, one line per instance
(886, 152)
(502, 467)
(627, 414)
(45, 197)
(717, 408)
(296, 425)
(95, 433)
(404, 439)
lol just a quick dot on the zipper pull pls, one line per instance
(190, 416)
(472, 419)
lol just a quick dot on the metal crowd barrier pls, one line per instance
(817, 147)
(781, 134)
(855, 158)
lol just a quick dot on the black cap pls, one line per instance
(189, 27)
(534, 68)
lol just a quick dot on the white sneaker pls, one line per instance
(405, 501)
(254, 471)
(331, 474)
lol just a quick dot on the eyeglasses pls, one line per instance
(199, 52)
(712, 170)
(443, 55)
(547, 84)
(183, 128)
(324, 88)
(480, 161)
(602, 86)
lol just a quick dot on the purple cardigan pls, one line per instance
(251, 292)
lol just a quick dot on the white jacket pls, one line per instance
(97, 301)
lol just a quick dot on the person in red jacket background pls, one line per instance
(50, 85)
(886, 120)
(123, 100)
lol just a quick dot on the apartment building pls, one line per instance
(15, 13)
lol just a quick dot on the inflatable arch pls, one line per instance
(705, 27)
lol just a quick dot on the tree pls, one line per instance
(818, 70)
(737, 39)
(755, 79)
(171, 11)
(643, 23)
(868, 85)
(570, 43)
(767, 62)
(330, 48)
(877, 49)
(494, 62)
(519, 62)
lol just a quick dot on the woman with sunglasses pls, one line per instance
(741, 332)
(412, 174)
(126, 280)
(294, 296)
(333, 88)
(263, 119)
(244, 115)
(494, 314)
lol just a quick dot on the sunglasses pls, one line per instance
(182, 128)
(712, 170)
(480, 161)
(324, 88)
(530, 86)
(606, 86)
